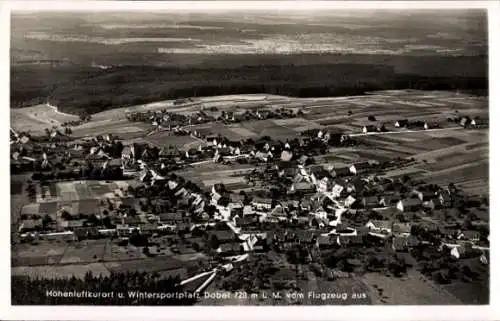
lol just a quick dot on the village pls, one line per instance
(290, 219)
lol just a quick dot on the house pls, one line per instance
(426, 196)
(86, 233)
(123, 230)
(228, 249)
(262, 203)
(401, 228)
(401, 243)
(409, 205)
(358, 184)
(319, 172)
(132, 220)
(431, 125)
(305, 237)
(472, 236)
(391, 199)
(128, 152)
(72, 224)
(290, 204)
(30, 225)
(148, 228)
(349, 201)
(444, 199)
(369, 129)
(401, 123)
(371, 202)
(429, 204)
(333, 274)
(304, 187)
(171, 218)
(465, 121)
(362, 166)
(379, 226)
(221, 236)
(342, 171)
(485, 257)
(479, 123)
(463, 251)
(326, 241)
(350, 240)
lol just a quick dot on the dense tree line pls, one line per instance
(124, 86)
(33, 291)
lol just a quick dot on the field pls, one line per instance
(447, 154)
(409, 290)
(53, 259)
(35, 119)
(79, 191)
(62, 271)
(208, 174)
(165, 140)
(84, 252)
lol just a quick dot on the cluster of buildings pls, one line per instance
(170, 121)
(463, 121)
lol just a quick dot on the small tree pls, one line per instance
(372, 118)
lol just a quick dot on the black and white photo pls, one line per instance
(249, 157)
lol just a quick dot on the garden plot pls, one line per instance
(84, 252)
(63, 271)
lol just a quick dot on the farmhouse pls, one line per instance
(465, 121)
(472, 236)
(171, 218)
(369, 129)
(326, 241)
(409, 205)
(431, 125)
(262, 203)
(72, 224)
(463, 251)
(30, 225)
(391, 199)
(401, 243)
(401, 123)
(221, 236)
(444, 199)
(349, 201)
(379, 226)
(371, 202)
(342, 171)
(479, 123)
(401, 229)
(350, 240)
(304, 187)
(229, 249)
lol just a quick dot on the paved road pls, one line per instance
(405, 131)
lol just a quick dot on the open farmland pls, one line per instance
(35, 119)
(208, 174)
(166, 140)
(62, 271)
(85, 252)
(411, 289)
(41, 254)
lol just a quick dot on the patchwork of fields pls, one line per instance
(447, 155)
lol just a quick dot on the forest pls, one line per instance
(33, 291)
(78, 89)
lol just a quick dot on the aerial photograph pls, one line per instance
(249, 158)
